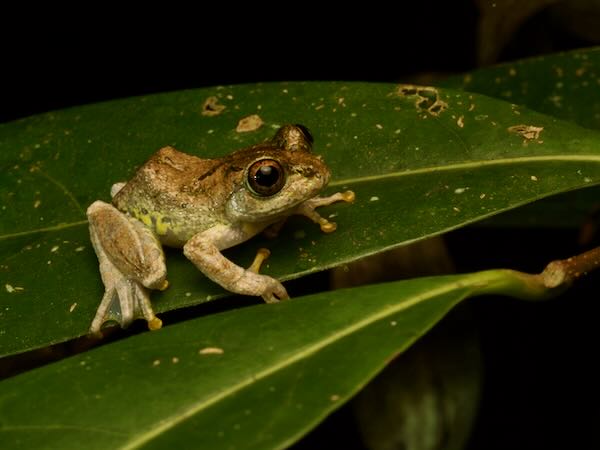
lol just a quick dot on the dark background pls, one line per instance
(540, 389)
(96, 58)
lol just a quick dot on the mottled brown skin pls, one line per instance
(204, 206)
(192, 193)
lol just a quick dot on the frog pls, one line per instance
(203, 206)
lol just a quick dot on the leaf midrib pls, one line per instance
(395, 174)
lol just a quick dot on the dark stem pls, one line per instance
(564, 271)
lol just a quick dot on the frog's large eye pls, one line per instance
(266, 177)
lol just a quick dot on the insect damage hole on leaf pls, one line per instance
(427, 98)
(527, 132)
(212, 107)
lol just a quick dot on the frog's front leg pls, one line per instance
(131, 261)
(204, 250)
(308, 207)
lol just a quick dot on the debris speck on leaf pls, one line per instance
(10, 288)
(250, 123)
(374, 199)
(461, 121)
(73, 306)
(212, 107)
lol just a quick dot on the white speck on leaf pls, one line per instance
(460, 190)
(374, 199)
(210, 351)
(80, 248)
(379, 126)
(37, 203)
(534, 178)
(73, 306)
(156, 362)
(54, 249)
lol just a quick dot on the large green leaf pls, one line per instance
(255, 378)
(421, 162)
(564, 85)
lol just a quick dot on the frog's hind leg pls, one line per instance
(131, 262)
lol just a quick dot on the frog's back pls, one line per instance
(167, 195)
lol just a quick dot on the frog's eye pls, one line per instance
(266, 177)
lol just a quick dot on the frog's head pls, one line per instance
(278, 175)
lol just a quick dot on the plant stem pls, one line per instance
(554, 279)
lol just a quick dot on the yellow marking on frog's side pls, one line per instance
(154, 220)
(162, 227)
(145, 218)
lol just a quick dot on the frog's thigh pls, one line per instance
(128, 244)
(130, 258)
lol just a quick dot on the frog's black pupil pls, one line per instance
(267, 176)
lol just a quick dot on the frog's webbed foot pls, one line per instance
(308, 207)
(131, 262)
(123, 303)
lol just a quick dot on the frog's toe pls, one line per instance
(122, 303)
(275, 293)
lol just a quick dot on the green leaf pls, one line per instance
(421, 162)
(258, 377)
(564, 85)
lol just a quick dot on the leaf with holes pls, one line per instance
(421, 161)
